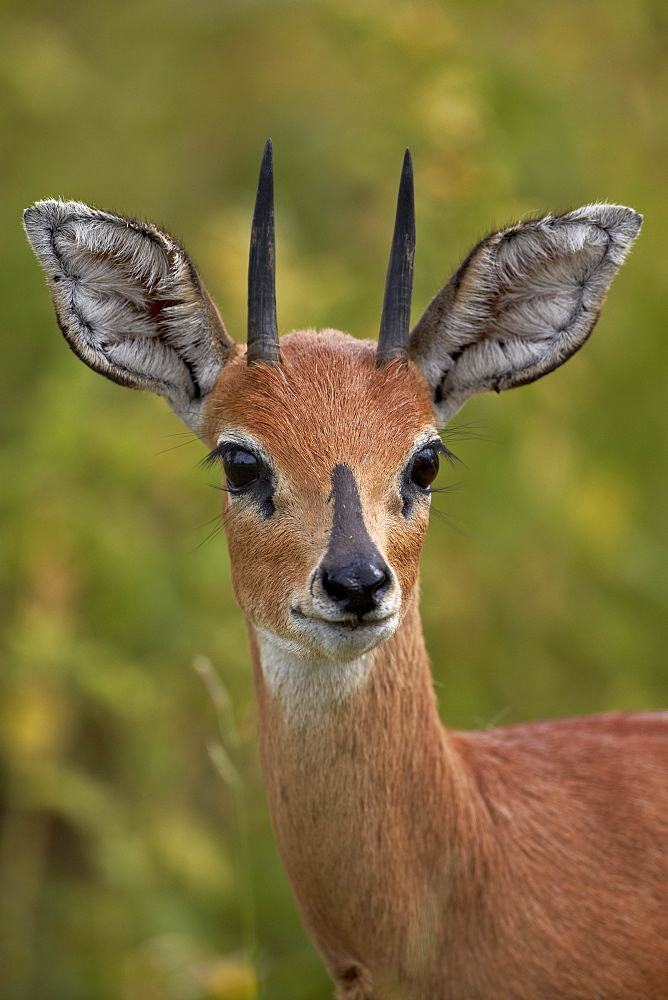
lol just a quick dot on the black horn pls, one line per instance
(262, 324)
(395, 320)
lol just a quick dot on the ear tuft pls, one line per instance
(130, 303)
(521, 304)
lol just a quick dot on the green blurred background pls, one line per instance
(130, 863)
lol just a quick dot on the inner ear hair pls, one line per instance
(524, 300)
(130, 302)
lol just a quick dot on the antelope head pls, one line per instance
(329, 444)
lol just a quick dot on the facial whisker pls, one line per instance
(218, 524)
(449, 488)
(181, 444)
(450, 520)
(471, 431)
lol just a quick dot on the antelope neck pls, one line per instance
(346, 784)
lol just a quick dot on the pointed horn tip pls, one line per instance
(407, 172)
(262, 324)
(395, 317)
(267, 164)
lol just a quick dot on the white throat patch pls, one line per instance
(306, 687)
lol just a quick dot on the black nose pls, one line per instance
(357, 587)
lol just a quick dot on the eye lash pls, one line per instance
(214, 456)
(219, 451)
(220, 487)
(448, 455)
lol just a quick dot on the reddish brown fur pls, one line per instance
(524, 863)
(323, 405)
(527, 862)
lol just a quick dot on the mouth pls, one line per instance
(339, 637)
(349, 623)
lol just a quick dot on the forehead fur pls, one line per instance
(327, 403)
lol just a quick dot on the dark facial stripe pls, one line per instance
(349, 541)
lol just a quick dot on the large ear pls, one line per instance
(130, 303)
(524, 300)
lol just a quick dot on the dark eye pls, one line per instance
(241, 468)
(424, 469)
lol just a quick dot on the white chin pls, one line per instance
(318, 664)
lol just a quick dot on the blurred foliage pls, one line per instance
(125, 844)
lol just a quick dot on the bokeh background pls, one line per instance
(136, 856)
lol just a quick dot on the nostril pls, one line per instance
(357, 587)
(336, 590)
(381, 583)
